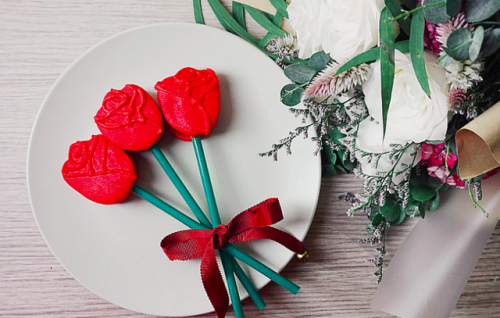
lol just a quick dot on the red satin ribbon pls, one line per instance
(250, 225)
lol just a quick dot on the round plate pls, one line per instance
(114, 250)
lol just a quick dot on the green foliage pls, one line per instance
(417, 49)
(433, 203)
(291, 94)
(391, 210)
(436, 11)
(300, 74)
(491, 42)
(239, 14)
(422, 193)
(319, 60)
(410, 4)
(458, 44)
(267, 24)
(396, 9)
(387, 67)
(477, 42)
(280, 6)
(371, 55)
(480, 10)
(453, 7)
(198, 15)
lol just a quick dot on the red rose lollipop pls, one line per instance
(130, 118)
(190, 101)
(98, 170)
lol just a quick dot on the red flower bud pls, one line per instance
(190, 101)
(130, 118)
(99, 171)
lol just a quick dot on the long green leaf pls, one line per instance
(264, 22)
(222, 14)
(278, 19)
(387, 67)
(396, 10)
(371, 55)
(280, 6)
(239, 14)
(417, 49)
(198, 14)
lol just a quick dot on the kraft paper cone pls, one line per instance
(266, 6)
(478, 144)
(431, 268)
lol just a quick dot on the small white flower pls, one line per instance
(464, 75)
(284, 47)
(342, 28)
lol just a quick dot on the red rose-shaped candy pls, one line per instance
(99, 171)
(190, 101)
(130, 118)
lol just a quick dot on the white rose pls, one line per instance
(343, 28)
(412, 117)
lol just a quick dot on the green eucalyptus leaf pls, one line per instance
(319, 60)
(396, 10)
(445, 60)
(458, 44)
(412, 210)
(280, 6)
(347, 164)
(421, 209)
(477, 42)
(422, 193)
(300, 74)
(402, 216)
(328, 170)
(491, 42)
(433, 203)
(291, 94)
(341, 168)
(387, 67)
(391, 210)
(377, 220)
(453, 7)
(417, 49)
(480, 10)
(435, 11)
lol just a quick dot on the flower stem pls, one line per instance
(409, 12)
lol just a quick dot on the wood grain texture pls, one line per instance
(39, 39)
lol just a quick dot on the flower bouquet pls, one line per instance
(401, 92)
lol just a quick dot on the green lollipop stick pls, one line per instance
(214, 216)
(230, 248)
(188, 198)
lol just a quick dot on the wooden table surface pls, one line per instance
(39, 39)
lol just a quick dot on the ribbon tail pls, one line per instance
(213, 282)
(287, 240)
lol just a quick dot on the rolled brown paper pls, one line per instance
(478, 144)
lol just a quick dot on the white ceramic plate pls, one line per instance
(114, 250)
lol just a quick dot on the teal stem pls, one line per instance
(230, 248)
(190, 201)
(179, 185)
(216, 221)
(207, 183)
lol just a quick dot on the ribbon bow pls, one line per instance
(250, 225)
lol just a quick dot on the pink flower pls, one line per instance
(439, 163)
